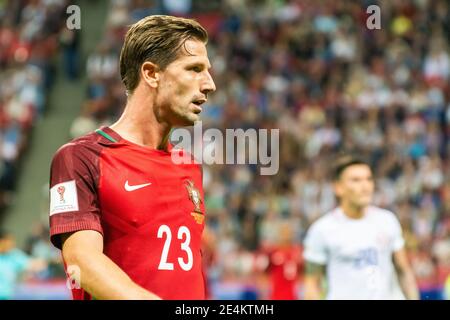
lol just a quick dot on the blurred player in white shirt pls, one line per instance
(358, 249)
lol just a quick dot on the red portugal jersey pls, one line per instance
(149, 210)
(284, 272)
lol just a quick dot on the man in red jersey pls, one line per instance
(283, 265)
(128, 219)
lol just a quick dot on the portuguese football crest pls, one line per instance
(195, 197)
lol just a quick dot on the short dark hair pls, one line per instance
(158, 39)
(344, 161)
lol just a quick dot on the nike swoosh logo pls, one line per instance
(136, 187)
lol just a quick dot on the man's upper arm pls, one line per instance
(315, 245)
(398, 242)
(400, 260)
(73, 192)
(80, 241)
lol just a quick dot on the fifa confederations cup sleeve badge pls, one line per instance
(61, 190)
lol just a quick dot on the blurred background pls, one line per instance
(308, 67)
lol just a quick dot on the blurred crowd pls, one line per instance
(32, 32)
(310, 68)
(30, 35)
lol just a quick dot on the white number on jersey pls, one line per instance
(183, 233)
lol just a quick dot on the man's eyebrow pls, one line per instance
(199, 63)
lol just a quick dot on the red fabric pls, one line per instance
(136, 224)
(284, 272)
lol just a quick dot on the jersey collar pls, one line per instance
(109, 136)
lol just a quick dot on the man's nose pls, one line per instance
(208, 84)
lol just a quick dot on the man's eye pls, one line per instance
(196, 69)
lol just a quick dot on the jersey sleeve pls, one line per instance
(315, 246)
(397, 237)
(74, 203)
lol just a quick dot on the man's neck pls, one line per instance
(351, 211)
(138, 124)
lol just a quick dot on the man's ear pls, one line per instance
(337, 188)
(150, 74)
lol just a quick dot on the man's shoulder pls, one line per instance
(326, 221)
(382, 214)
(86, 144)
